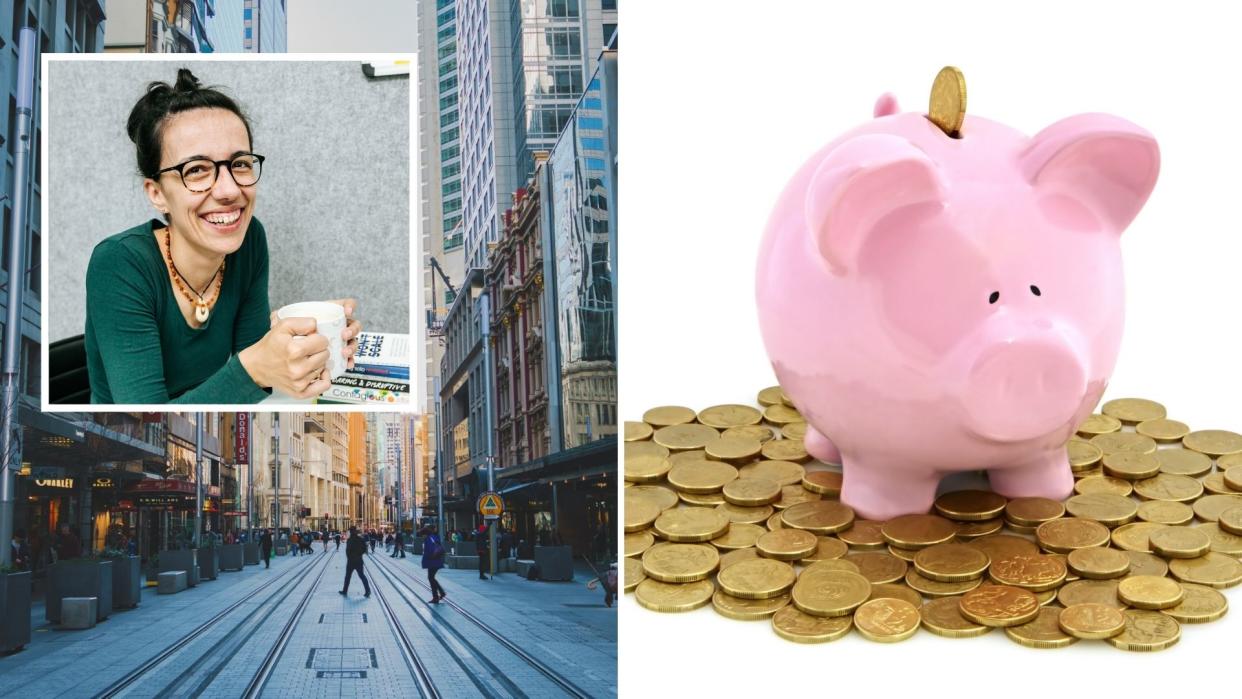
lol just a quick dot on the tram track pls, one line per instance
(422, 677)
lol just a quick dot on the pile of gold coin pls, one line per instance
(725, 507)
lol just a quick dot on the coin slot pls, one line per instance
(1035, 290)
(993, 298)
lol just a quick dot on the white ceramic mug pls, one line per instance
(330, 322)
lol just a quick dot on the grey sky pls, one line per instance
(369, 26)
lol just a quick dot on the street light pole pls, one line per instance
(439, 464)
(276, 476)
(485, 320)
(198, 480)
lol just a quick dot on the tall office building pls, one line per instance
(265, 26)
(225, 26)
(174, 26)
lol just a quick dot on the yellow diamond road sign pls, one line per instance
(491, 505)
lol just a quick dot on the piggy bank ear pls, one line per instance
(1101, 161)
(859, 183)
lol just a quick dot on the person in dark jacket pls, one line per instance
(398, 545)
(433, 561)
(354, 549)
(70, 546)
(482, 550)
(20, 550)
(265, 544)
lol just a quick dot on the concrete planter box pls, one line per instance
(555, 562)
(231, 557)
(14, 611)
(126, 582)
(209, 563)
(251, 554)
(180, 560)
(79, 577)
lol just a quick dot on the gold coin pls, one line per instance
(725, 416)
(1098, 563)
(1082, 455)
(951, 562)
(827, 548)
(879, 566)
(1146, 631)
(1032, 512)
(1146, 564)
(1131, 466)
(782, 414)
(823, 482)
(657, 494)
(820, 517)
(943, 617)
(863, 534)
(1233, 478)
(970, 505)
(684, 437)
(1132, 411)
(795, 431)
(751, 492)
(740, 535)
(1183, 462)
(701, 476)
(887, 620)
(1223, 541)
(795, 625)
(787, 544)
(783, 472)
(1081, 591)
(903, 554)
(667, 415)
(1211, 569)
(737, 556)
(785, 450)
(1096, 470)
(1180, 542)
(1044, 631)
(833, 564)
(639, 515)
(633, 574)
(1214, 443)
(682, 457)
(1020, 528)
(1035, 573)
(747, 609)
(739, 514)
(1228, 461)
(932, 588)
(947, 108)
(637, 431)
(1209, 507)
(636, 449)
(1215, 483)
(895, 591)
(1103, 484)
(1200, 605)
(999, 605)
(1098, 424)
(759, 433)
(770, 396)
(673, 597)
(680, 563)
(701, 499)
(757, 578)
(1105, 508)
(1091, 621)
(646, 469)
(830, 592)
(691, 524)
(1149, 592)
(1163, 430)
(1135, 536)
(1000, 546)
(918, 531)
(793, 495)
(1169, 487)
(1230, 520)
(1124, 443)
(776, 521)
(733, 450)
(973, 530)
(1065, 535)
(637, 542)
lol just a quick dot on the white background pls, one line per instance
(723, 101)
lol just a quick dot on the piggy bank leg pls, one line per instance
(1046, 476)
(821, 447)
(879, 492)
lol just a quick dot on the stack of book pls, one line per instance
(381, 373)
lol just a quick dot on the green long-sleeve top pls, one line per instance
(139, 348)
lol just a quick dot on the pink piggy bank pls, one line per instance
(934, 304)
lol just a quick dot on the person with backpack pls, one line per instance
(433, 561)
(354, 549)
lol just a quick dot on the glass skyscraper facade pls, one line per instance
(264, 26)
(450, 125)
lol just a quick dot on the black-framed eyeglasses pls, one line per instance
(200, 175)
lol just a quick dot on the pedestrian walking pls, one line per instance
(398, 545)
(371, 538)
(482, 550)
(294, 540)
(354, 548)
(433, 561)
(338, 540)
(265, 543)
(20, 550)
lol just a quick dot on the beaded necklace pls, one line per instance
(202, 307)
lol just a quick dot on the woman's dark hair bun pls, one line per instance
(186, 82)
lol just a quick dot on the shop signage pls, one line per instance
(165, 486)
(242, 443)
(103, 482)
(236, 513)
(54, 482)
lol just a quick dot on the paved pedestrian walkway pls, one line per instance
(306, 640)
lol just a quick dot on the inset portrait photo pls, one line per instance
(225, 232)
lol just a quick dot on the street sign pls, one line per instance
(491, 505)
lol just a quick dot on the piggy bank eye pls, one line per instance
(1035, 290)
(993, 298)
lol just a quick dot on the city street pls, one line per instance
(286, 632)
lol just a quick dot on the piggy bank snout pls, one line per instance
(1024, 389)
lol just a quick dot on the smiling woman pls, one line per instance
(177, 309)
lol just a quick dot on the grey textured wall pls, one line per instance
(334, 197)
